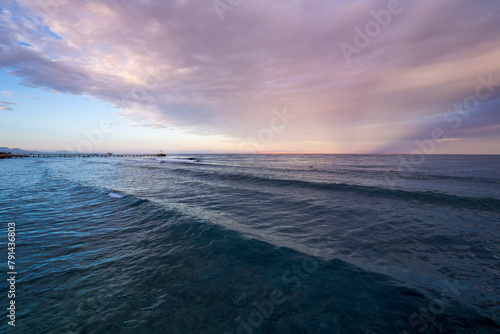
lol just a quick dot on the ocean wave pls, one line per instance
(159, 257)
(441, 198)
(116, 195)
(179, 160)
(167, 160)
(126, 264)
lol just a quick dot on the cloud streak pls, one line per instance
(4, 105)
(176, 64)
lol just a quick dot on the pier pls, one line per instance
(8, 155)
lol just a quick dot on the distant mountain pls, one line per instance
(16, 150)
(20, 151)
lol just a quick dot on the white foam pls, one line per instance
(176, 160)
(151, 160)
(116, 195)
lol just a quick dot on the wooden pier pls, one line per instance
(8, 155)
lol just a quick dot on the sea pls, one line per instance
(261, 243)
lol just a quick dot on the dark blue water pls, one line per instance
(254, 244)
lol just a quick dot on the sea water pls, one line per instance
(253, 244)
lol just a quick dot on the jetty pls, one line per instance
(9, 155)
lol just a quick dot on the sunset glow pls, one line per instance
(189, 76)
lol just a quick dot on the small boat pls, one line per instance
(160, 154)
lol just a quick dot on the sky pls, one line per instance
(241, 76)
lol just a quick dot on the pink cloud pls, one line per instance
(176, 64)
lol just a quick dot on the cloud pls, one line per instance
(7, 94)
(4, 105)
(176, 64)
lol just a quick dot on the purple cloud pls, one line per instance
(176, 64)
(4, 105)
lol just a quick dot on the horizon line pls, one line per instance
(245, 153)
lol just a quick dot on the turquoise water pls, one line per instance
(254, 244)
